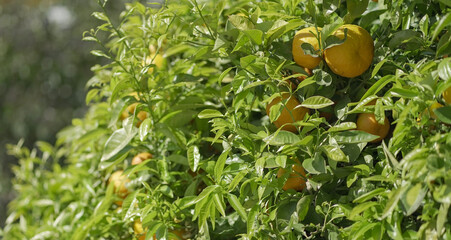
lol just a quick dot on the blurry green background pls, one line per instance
(44, 66)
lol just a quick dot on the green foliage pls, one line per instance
(216, 155)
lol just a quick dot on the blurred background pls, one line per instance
(44, 66)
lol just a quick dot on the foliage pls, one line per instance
(44, 66)
(215, 152)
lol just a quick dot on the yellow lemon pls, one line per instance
(367, 122)
(296, 180)
(290, 113)
(306, 35)
(354, 55)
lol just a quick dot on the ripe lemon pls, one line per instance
(154, 58)
(354, 55)
(447, 95)
(306, 35)
(367, 122)
(141, 157)
(296, 180)
(289, 113)
(130, 110)
(119, 182)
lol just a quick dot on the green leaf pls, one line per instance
(248, 60)
(315, 165)
(334, 153)
(442, 23)
(444, 114)
(280, 138)
(356, 7)
(166, 190)
(224, 74)
(219, 166)
(117, 141)
(403, 93)
(281, 27)
(235, 203)
(343, 127)
(302, 206)
(219, 203)
(361, 231)
(144, 129)
(393, 201)
(209, 113)
(377, 67)
(308, 49)
(240, 22)
(447, 3)
(205, 193)
(237, 179)
(444, 69)
(375, 88)
(193, 158)
(407, 39)
(317, 102)
(369, 195)
(99, 53)
(91, 95)
(100, 16)
(255, 35)
(444, 45)
(361, 208)
(252, 222)
(442, 217)
(414, 198)
(354, 136)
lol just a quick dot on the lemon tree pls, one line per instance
(234, 151)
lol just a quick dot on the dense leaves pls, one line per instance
(216, 153)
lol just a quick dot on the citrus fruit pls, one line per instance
(119, 182)
(354, 55)
(141, 157)
(447, 95)
(130, 110)
(367, 122)
(289, 114)
(306, 35)
(296, 180)
(154, 58)
(140, 232)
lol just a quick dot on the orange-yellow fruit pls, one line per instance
(296, 180)
(306, 35)
(119, 182)
(141, 157)
(157, 59)
(447, 95)
(367, 122)
(354, 55)
(434, 106)
(289, 114)
(130, 110)
(140, 232)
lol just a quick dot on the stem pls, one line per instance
(203, 19)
